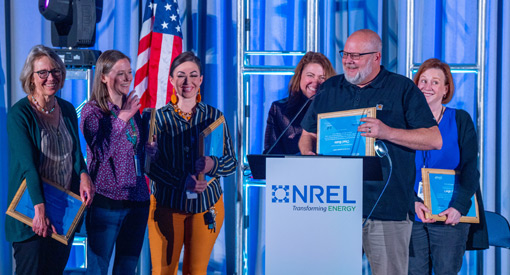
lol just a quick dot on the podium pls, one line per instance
(314, 215)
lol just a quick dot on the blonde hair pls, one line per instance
(27, 73)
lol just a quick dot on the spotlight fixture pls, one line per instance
(73, 21)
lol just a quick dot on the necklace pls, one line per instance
(42, 109)
(130, 137)
(441, 115)
(186, 116)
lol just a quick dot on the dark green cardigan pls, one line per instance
(25, 148)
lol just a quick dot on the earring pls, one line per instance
(444, 96)
(173, 98)
(199, 97)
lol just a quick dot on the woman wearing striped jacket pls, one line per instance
(184, 210)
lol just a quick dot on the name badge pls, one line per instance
(420, 190)
(191, 195)
(138, 170)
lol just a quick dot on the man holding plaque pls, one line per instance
(405, 125)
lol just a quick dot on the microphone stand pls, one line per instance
(382, 151)
(292, 121)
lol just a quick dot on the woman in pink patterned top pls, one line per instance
(112, 127)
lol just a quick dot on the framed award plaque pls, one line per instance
(337, 133)
(439, 186)
(211, 141)
(63, 208)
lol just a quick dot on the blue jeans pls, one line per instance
(437, 247)
(124, 228)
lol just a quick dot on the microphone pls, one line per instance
(292, 121)
(381, 151)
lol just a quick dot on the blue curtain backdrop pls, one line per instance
(443, 29)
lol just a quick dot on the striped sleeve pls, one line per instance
(225, 165)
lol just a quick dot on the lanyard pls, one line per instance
(426, 156)
(130, 138)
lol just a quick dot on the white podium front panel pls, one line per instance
(313, 215)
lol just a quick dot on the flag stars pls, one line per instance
(178, 28)
(173, 17)
(168, 6)
(164, 25)
(150, 6)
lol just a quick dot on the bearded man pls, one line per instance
(405, 123)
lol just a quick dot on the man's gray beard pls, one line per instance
(361, 76)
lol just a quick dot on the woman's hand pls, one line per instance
(204, 165)
(87, 189)
(195, 185)
(420, 209)
(452, 216)
(130, 107)
(41, 225)
(152, 148)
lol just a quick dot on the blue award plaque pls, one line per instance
(63, 208)
(212, 140)
(439, 186)
(337, 133)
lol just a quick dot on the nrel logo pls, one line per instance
(311, 194)
(280, 193)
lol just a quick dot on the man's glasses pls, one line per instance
(43, 74)
(354, 56)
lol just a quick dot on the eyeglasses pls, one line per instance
(354, 56)
(43, 74)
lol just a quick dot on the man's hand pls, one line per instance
(416, 139)
(375, 128)
(307, 143)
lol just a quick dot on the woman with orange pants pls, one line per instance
(184, 210)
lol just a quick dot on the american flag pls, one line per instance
(160, 42)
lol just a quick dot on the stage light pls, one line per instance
(56, 10)
(73, 21)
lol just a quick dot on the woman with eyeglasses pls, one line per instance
(312, 70)
(439, 246)
(43, 144)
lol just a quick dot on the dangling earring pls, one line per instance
(444, 96)
(173, 98)
(199, 97)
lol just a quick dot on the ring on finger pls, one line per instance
(369, 130)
